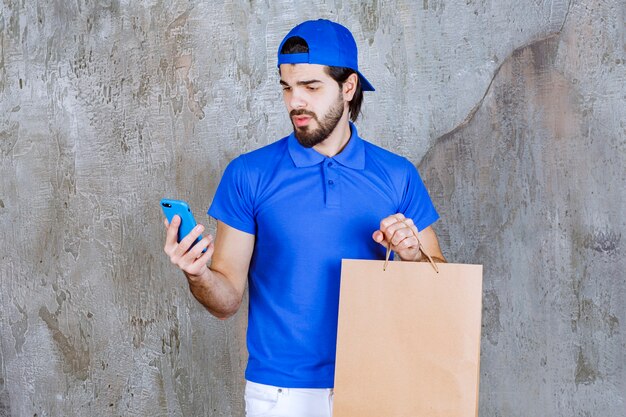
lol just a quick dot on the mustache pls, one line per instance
(302, 112)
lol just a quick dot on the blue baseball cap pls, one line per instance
(330, 44)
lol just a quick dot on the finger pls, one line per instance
(399, 216)
(379, 237)
(394, 219)
(400, 234)
(206, 256)
(388, 222)
(396, 229)
(188, 240)
(166, 223)
(196, 251)
(411, 225)
(172, 231)
(410, 242)
(196, 266)
(171, 239)
(389, 228)
(408, 221)
(416, 233)
(391, 232)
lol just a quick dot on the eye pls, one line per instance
(311, 88)
(285, 88)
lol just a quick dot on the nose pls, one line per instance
(296, 99)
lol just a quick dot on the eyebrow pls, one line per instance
(307, 82)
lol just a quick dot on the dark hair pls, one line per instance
(297, 45)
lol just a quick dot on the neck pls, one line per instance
(337, 140)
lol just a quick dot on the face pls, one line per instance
(314, 100)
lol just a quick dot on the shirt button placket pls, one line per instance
(332, 184)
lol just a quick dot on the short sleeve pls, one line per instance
(233, 203)
(415, 202)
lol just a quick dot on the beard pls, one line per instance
(309, 137)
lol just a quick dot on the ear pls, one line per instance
(349, 86)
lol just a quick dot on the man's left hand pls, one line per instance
(399, 232)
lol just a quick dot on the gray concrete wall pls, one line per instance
(514, 112)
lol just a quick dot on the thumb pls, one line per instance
(378, 236)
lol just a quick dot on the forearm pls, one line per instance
(215, 292)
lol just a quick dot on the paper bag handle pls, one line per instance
(434, 265)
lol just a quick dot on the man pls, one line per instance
(289, 212)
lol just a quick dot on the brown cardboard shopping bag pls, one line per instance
(408, 342)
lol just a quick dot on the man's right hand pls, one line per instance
(191, 261)
(219, 289)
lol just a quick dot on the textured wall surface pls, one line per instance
(514, 111)
(534, 186)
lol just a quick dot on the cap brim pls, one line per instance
(365, 85)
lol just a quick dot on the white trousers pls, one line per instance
(269, 401)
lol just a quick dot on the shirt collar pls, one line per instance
(352, 156)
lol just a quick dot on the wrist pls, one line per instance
(195, 280)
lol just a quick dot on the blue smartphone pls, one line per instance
(187, 223)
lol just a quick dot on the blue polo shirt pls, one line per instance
(308, 212)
